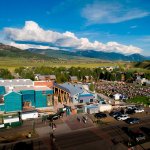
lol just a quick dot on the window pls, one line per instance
(91, 100)
(81, 101)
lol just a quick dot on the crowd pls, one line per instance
(128, 90)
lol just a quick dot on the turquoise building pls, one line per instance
(17, 94)
(13, 102)
(2, 90)
(28, 96)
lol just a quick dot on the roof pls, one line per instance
(21, 88)
(16, 82)
(41, 88)
(43, 77)
(52, 77)
(61, 87)
(85, 93)
(44, 83)
(12, 92)
(73, 78)
(73, 88)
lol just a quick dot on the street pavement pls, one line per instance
(71, 134)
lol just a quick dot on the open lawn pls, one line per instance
(12, 63)
(140, 100)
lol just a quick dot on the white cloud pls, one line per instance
(33, 33)
(101, 12)
(27, 46)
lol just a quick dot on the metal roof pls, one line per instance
(73, 88)
(16, 82)
(73, 78)
(21, 88)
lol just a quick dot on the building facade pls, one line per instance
(17, 95)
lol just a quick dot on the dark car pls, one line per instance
(130, 111)
(53, 117)
(146, 130)
(100, 115)
(115, 114)
(138, 136)
(135, 135)
(132, 120)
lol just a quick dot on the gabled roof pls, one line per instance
(61, 87)
(73, 88)
(11, 93)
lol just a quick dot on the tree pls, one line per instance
(92, 87)
(5, 74)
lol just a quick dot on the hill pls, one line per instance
(13, 52)
(144, 65)
(112, 56)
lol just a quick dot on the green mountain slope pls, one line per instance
(144, 65)
(13, 52)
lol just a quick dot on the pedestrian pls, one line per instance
(50, 123)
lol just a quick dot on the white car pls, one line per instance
(123, 117)
(139, 110)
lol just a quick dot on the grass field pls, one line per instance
(89, 63)
(12, 63)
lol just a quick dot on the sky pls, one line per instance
(121, 26)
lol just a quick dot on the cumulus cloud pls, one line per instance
(100, 12)
(27, 46)
(33, 33)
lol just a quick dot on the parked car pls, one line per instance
(146, 130)
(123, 117)
(132, 107)
(100, 115)
(132, 120)
(139, 110)
(135, 135)
(138, 136)
(53, 117)
(130, 111)
(115, 114)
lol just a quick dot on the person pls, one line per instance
(53, 127)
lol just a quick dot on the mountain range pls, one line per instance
(112, 56)
(47, 54)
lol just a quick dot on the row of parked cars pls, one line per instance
(123, 115)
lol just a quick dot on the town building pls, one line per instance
(19, 94)
(72, 93)
(142, 81)
(73, 79)
(39, 77)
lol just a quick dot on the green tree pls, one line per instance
(92, 87)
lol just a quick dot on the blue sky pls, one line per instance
(105, 25)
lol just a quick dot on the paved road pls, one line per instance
(99, 137)
(81, 138)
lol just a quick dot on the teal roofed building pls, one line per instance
(13, 102)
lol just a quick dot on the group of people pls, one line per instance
(129, 90)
